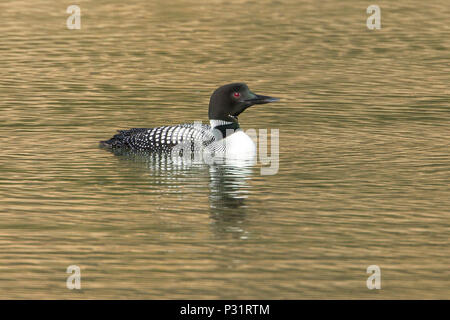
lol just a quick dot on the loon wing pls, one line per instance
(161, 139)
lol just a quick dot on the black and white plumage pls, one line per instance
(165, 138)
(224, 134)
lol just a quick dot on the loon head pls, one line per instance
(230, 100)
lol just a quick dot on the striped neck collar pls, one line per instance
(216, 123)
(224, 126)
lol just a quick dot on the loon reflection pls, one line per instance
(226, 178)
(229, 190)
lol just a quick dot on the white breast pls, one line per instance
(239, 144)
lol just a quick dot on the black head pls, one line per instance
(230, 100)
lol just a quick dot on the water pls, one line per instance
(364, 150)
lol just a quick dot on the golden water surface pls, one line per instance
(364, 171)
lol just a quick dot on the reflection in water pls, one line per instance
(228, 184)
(228, 192)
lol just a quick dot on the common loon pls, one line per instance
(223, 135)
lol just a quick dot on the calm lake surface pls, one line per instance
(364, 171)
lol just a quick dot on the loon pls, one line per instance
(223, 135)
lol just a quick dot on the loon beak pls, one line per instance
(259, 99)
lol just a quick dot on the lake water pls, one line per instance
(364, 137)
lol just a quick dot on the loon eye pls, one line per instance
(236, 94)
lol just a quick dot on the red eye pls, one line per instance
(236, 94)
